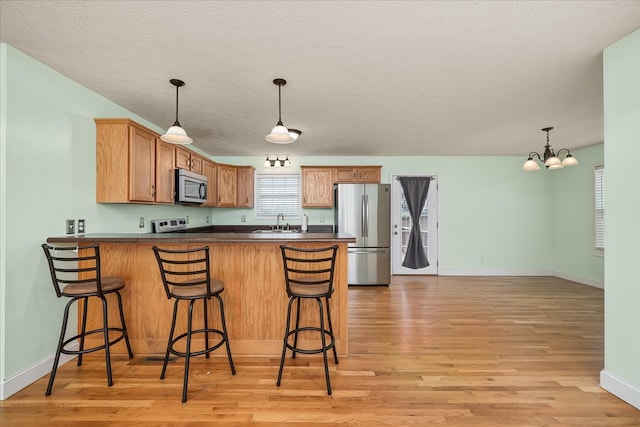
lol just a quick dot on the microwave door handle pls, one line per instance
(203, 191)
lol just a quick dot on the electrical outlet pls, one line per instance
(187, 219)
(243, 218)
(321, 218)
(207, 219)
(81, 226)
(71, 226)
(141, 225)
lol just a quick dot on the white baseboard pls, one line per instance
(31, 374)
(619, 388)
(570, 277)
(492, 272)
(579, 279)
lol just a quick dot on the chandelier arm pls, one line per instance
(561, 150)
(534, 154)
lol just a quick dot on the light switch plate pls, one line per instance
(71, 226)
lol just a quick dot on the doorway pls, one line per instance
(401, 228)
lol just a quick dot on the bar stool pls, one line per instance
(308, 274)
(186, 277)
(79, 278)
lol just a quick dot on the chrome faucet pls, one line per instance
(278, 221)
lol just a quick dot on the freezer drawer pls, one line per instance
(369, 266)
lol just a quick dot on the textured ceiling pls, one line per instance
(364, 78)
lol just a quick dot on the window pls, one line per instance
(599, 208)
(277, 194)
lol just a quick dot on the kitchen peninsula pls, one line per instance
(250, 264)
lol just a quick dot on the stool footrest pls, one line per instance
(63, 350)
(199, 352)
(329, 345)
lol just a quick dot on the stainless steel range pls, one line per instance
(169, 225)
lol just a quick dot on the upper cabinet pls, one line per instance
(127, 170)
(227, 178)
(165, 171)
(210, 170)
(317, 182)
(317, 187)
(357, 174)
(186, 159)
(245, 186)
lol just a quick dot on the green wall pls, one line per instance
(492, 214)
(621, 373)
(573, 220)
(494, 218)
(48, 176)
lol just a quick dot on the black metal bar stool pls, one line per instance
(308, 274)
(79, 278)
(186, 277)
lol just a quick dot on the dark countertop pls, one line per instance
(202, 238)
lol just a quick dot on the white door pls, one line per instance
(401, 228)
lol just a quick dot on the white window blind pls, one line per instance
(278, 194)
(599, 207)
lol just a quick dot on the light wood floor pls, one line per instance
(428, 351)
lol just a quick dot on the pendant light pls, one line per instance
(280, 134)
(176, 134)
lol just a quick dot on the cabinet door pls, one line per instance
(183, 158)
(317, 187)
(142, 168)
(368, 174)
(344, 175)
(112, 161)
(227, 186)
(196, 163)
(165, 171)
(245, 186)
(209, 170)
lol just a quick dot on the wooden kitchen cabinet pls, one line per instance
(186, 159)
(317, 187)
(227, 184)
(165, 172)
(125, 162)
(245, 186)
(357, 174)
(210, 170)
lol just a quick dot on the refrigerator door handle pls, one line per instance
(365, 222)
(363, 217)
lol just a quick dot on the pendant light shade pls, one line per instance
(176, 134)
(295, 133)
(280, 134)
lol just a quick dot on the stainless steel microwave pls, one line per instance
(190, 187)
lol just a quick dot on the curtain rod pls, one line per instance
(414, 176)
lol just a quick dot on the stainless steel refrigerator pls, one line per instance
(364, 210)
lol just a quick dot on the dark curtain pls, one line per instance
(415, 190)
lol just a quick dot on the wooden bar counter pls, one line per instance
(250, 264)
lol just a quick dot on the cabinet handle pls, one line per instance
(153, 187)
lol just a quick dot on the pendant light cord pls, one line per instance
(177, 123)
(279, 106)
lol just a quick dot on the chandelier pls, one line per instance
(550, 159)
